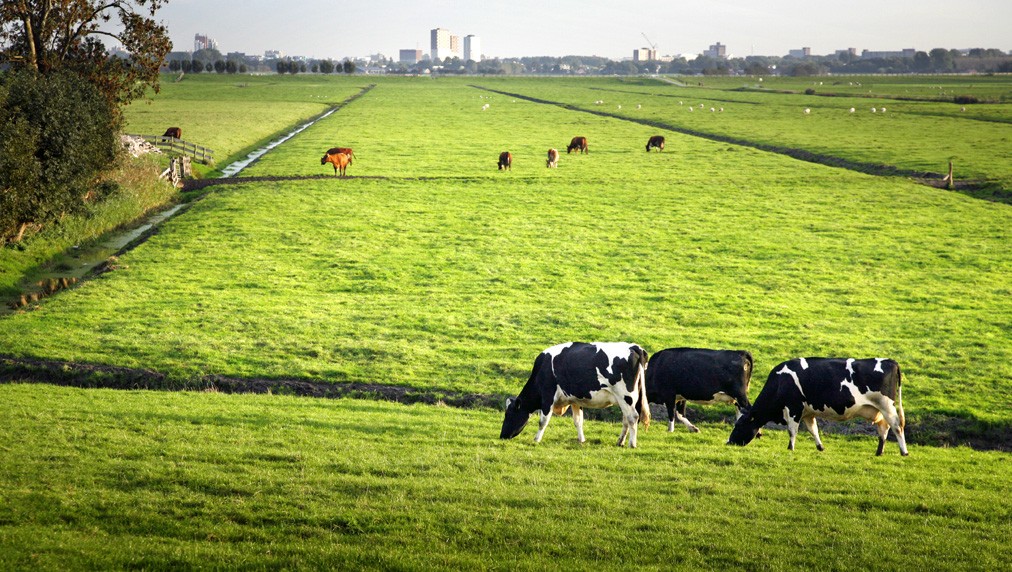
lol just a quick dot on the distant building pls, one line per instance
(472, 48)
(410, 56)
(456, 46)
(202, 42)
(800, 54)
(849, 53)
(440, 44)
(717, 50)
(644, 55)
(907, 53)
(273, 54)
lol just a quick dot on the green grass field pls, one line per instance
(430, 269)
(98, 479)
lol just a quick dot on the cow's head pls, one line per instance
(323, 160)
(515, 420)
(744, 431)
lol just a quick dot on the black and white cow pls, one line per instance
(578, 375)
(677, 375)
(799, 390)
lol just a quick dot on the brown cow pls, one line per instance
(553, 159)
(174, 132)
(340, 161)
(335, 150)
(578, 143)
(505, 161)
(655, 141)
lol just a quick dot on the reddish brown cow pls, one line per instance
(579, 144)
(655, 141)
(174, 132)
(553, 159)
(505, 161)
(335, 150)
(340, 161)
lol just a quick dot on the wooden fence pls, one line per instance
(202, 154)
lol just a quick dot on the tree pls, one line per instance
(174, 66)
(196, 66)
(326, 66)
(231, 66)
(57, 132)
(45, 36)
(349, 66)
(281, 66)
(219, 66)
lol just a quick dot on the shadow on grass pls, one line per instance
(934, 429)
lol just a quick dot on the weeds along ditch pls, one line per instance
(430, 274)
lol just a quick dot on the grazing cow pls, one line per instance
(677, 375)
(335, 150)
(174, 132)
(553, 159)
(657, 141)
(505, 161)
(580, 375)
(579, 144)
(340, 161)
(799, 390)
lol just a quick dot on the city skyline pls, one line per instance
(569, 27)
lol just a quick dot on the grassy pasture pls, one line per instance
(231, 114)
(912, 135)
(986, 88)
(97, 479)
(428, 268)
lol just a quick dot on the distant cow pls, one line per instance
(505, 161)
(174, 132)
(657, 142)
(335, 150)
(799, 390)
(553, 159)
(579, 375)
(677, 375)
(578, 144)
(340, 161)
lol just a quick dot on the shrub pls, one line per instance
(965, 99)
(57, 133)
(810, 91)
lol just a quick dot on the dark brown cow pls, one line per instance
(335, 150)
(174, 132)
(505, 161)
(655, 141)
(579, 144)
(340, 161)
(553, 159)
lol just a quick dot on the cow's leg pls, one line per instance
(883, 433)
(792, 430)
(671, 415)
(893, 419)
(680, 416)
(630, 420)
(578, 421)
(813, 428)
(542, 425)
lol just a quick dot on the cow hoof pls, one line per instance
(905, 454)
(820, 447)
(693, 429)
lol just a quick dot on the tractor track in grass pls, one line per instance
(928, 178)
(928, 429)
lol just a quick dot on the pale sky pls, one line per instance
(517, 28)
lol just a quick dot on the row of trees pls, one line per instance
(60, 101)
(322, 66)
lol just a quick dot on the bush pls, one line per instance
(965, 99)
(57, 133)
(810, 91)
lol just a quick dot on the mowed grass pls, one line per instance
(429, 268)
(229, 114)
(98, 479)
(910, 135)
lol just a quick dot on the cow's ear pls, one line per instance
(509, 402)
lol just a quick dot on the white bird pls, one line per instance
(638, 106)
(807, 111)
(722, 110)
(852, 110)
(620, 107)
(883, 110)
(692, 109)
(873, 110)
(712, 110)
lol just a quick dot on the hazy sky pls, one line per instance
(336, 29)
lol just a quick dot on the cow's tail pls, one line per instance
(899, 398)
(641, 379)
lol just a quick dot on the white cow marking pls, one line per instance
(797, 382)
(554, 351)
(804, 363)
(613, 350)
(850, 366)
(878, 364)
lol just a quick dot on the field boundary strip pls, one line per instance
(923, 177)
(926, 429)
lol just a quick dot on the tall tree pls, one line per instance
(50, 35)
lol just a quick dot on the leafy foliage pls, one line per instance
(57, 133)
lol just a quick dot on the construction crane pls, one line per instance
(652, 45)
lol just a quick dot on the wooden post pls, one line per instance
(951, 182)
